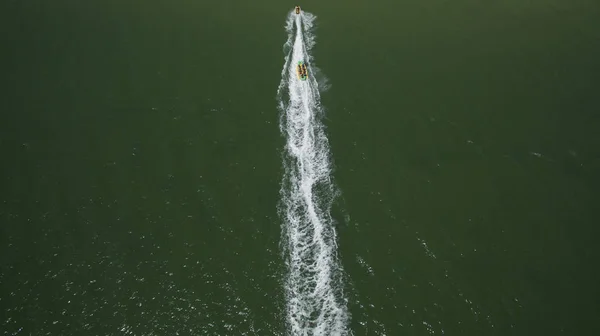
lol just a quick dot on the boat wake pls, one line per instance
(314, 285)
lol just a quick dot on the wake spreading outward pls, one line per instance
(315, 300)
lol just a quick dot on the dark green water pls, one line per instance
(141, 166)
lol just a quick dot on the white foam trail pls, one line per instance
(314, 296)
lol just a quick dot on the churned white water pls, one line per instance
(315, 300)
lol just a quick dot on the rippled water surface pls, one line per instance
(164, 171)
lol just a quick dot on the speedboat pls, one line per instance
(301, 70)
(297, 9)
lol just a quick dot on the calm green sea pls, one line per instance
(142, 163)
